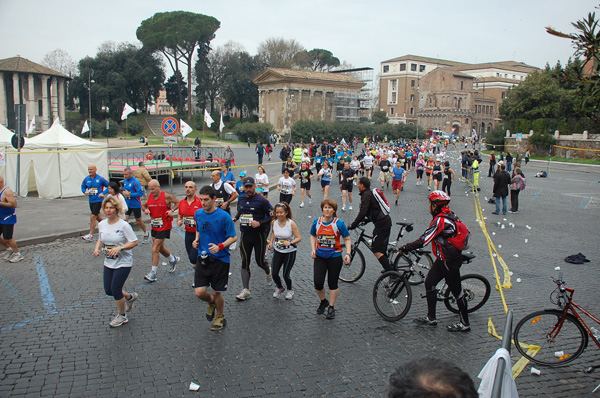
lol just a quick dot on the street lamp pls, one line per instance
(90, 81)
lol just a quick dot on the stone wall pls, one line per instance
(582, 146)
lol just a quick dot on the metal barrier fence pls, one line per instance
(506, 342)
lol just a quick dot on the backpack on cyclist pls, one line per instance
(462, 237)
(383, 203)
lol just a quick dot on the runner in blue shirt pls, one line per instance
(95, 187)
(215, 232)
(227, 175)
(398, 173)
(132, 191)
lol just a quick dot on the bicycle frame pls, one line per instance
(566, 294)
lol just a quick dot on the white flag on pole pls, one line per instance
(209, 120)
(184, 128)
(31, 128)
(126, 111)
(221, 124)
(85, 128)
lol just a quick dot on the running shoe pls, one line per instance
(88, 237)
(322, 306)
(16, 257)
(289, 295)
(269, 280)
(278, 292)
(310, 201)
(118, 321)
(396, 203)
(426, 321)
(129, 303)
(302, 204)
(8, 253)
(343, 208)
(219, 323)
(151, 276)
(350, 208)
(330, 313)
(244, 295)
(173, 264)
(210, 311)
(146, 238)
(458, 327)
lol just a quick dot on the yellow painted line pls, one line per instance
(579, 149)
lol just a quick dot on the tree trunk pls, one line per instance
(189, 103)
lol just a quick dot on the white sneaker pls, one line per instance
(16, 257)
(310, 201)
(146, 238)
(289, 295)
(244, 295)
(88, 237)
(8, 253)
(343, 208)
(278, 292)
(302, 204)
(118, 321)
(151, 276)
(350, 208)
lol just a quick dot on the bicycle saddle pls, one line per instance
(467, 257)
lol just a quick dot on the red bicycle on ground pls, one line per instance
(554, 337)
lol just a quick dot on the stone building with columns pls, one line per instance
(40, 88)
(288, 95)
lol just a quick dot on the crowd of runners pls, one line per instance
(208, 215)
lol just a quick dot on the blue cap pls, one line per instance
(243, 174)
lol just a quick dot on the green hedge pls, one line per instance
(255, 131)
(303, 130)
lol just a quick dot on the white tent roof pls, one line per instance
(59, 137)
(5, 136)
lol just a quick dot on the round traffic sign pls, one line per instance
(170, 126)
(17, 142)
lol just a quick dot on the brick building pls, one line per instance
(287, 96)
(446, 95)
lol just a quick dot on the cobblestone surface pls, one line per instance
(55, 338)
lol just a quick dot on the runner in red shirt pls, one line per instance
(160, 205)
(187, 209)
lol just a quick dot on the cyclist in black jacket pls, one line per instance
(447, 263)
(370, 211)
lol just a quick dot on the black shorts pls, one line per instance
(137, 212)
(95, 208)
(214, 273)
(6, 230)
(305, 185)
(161, 234)
(437, 177)
(347, 186)
(381, 235)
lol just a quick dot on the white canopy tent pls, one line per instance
(60, 160)
(5, 136)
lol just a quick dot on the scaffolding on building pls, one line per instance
(362, 102)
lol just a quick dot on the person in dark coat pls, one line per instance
(501, 182)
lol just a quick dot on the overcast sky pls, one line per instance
(362, 33)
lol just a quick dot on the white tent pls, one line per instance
(60, 160)
(5, 136)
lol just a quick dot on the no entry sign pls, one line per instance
(170, 126)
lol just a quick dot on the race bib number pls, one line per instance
(326, 241)
(220, 201)
(246, 219)
(279, 243)
(156, 222)
(189, 221)
(384, 169)
(286, 189)
(93, 191)
(105, 250)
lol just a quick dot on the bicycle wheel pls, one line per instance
(477, 290)
(355, 270)
(559, 343)
(392, 296)
(406, 263)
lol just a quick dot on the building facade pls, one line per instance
(287, 96)
(447, 95)
(41, 89)
(162, 106)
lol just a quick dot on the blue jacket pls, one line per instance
(133, 185)
(97, 185)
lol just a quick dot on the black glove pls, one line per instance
(350, 228)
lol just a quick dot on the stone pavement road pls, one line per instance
(55, 339)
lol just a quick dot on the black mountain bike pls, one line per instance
(356, 268)
(392, 294)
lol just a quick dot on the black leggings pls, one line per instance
(285, 260)
(330, 267)
(450, 271)
(114, 279)
(419, 173)
(191, 251)
(447, 184)
(256, 240)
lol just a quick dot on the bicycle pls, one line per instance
(392, 293)
(554, 337)
(355, 269)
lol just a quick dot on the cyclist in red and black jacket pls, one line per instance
(447, 263)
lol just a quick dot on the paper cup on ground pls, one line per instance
(535, 371)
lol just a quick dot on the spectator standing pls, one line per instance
(142, 175)
(260, 151)
(501, 182)
(516, 183)
(228, 155)
(509, 160)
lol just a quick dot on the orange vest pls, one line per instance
(328, 236)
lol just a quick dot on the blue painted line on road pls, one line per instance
(583, 202)
(558, 180)
(87, 303)
(47, 296)
(535, 195)
(180, 232)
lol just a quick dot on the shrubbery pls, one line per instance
(255, 131)
(303, 130)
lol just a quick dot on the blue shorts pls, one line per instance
(325, 183)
